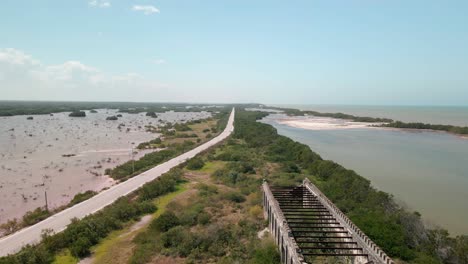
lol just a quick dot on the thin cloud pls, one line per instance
(20, 72)
(159, 61)
(99, 3)
(146, 9)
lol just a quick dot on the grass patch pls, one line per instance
(195, 128)
(212, 166)
(65, 257)
(104, 252)
(163, 201)
(118, 246)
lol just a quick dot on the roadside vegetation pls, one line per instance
(171, 144)
(218, 218)
(40, 213)
(82, 234)
(126, 170)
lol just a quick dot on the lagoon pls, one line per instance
(425, 171)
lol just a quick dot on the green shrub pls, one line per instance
(165, 221)
(203, 218)
(266, 253)
(77, 114)
(205, 190)
(235, 197)
(152, 114)
(80, 248)
(182, 127)
(78, 198)
(195, 164)
(33, 217)
(164, 184)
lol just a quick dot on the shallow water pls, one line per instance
(31, 160)
(447, 115)
(427, 171)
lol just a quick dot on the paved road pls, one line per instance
(59, 221)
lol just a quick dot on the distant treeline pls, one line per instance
(387, 121)
(12, 108)
(297, 112)
(447, 128)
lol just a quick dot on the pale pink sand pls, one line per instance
(323, 123)
(31, 155)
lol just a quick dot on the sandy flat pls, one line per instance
(323, 123)
(32, 161)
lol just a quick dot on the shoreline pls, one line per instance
(323, 123)
(353, 136)
(319, 123)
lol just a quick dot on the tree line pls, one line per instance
(387, 122)
(447, 128)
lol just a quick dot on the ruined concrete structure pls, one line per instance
(308, 227)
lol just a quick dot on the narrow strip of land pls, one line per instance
(59, 221)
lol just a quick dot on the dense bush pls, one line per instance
(32, 217)
(195, 164)
(78, 198)
(182, 127)
(152, 114)
(148, 161)
(266, 253)
(165, 222)
(77, 114)
(183, 135)
(165, 184)
(149, 144)
(235, 197)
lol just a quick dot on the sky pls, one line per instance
(371, 52)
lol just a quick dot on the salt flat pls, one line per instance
(32, 161)
(321, 123)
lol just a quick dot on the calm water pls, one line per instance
(450, 115)
(426, 171)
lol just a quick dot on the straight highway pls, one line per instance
(58, 222)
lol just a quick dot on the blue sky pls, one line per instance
(305, 52)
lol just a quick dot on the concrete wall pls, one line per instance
(279, 229)
(376, 255)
